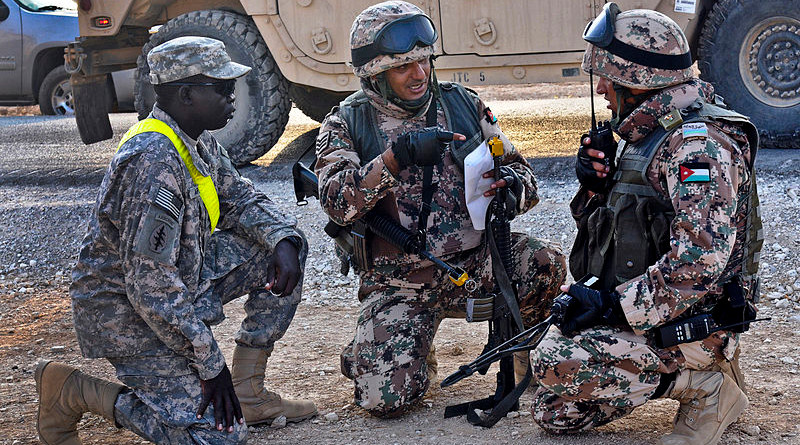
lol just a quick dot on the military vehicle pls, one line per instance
(299, 50)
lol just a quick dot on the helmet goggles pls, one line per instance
(398, 37)
(600, 33)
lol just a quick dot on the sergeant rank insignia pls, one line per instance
(695, 172)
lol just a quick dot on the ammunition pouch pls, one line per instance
(361, 258)
(736, 306)
(481, 308)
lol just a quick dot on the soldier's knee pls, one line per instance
(553, 371)
(378, 396)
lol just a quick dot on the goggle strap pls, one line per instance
(647, 58)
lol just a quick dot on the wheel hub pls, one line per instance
(61, 98)
(770, 55)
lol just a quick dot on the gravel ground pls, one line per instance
(48, 181)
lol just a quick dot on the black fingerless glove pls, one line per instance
(515, 190)
(586, 173)
(422, 147)
(591, 308)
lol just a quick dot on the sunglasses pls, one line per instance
(398, 37)
(223, 87)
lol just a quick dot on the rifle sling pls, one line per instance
(427, 182)
(502, 279)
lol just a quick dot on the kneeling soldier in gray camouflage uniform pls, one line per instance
(176, 233)
(370, 156)
(672, 230)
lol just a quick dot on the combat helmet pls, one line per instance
(639, 48)
(388, 35)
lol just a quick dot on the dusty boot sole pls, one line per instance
(288, 420)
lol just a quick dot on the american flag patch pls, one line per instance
(168, 202)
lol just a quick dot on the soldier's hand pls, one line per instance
(283, 270)
(219, 392)
(424, 147)
(509, 179)
(590, 308)
(590, 167)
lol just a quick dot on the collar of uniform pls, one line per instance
(388, 107)
(645, 117)
(191, 144)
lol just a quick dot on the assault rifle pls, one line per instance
(501, 309)
(352, 239)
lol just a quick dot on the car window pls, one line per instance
(47, 5)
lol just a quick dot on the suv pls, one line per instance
(299, 49)
(33, 35)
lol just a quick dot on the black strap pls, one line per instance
(427, 182)
(501, 277)
(649, 59)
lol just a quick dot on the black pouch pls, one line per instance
(734, 308)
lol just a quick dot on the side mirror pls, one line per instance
(4, 11)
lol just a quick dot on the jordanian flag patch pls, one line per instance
(695, 172)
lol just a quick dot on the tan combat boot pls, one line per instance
(522, 360)
(65, 393)
(710, 401)
(258, 404)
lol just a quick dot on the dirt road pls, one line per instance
(48, 180)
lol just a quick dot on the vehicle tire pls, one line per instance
(91, 100)
(315, 103)
(750, 51)
(55, 93)
(262, 96)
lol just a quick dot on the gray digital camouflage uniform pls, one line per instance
(603, 373)
(145, 298)
(403, 297)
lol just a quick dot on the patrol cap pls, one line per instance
(189, 56)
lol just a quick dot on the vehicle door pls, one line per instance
(10, 50)
(512, 32)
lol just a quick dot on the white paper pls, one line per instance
(475, 165)
(687, 6)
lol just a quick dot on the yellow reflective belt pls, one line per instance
(208, 193)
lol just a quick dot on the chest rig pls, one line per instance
(621, 237)
(369, 142)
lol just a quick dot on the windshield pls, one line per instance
(47, 5)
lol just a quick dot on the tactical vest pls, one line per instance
(622, 237)
(362, 122)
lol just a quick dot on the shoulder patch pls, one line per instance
(323, 140)
(158, 236)
(694, 130)
(695, 172)
(671, 120)
(489, 116)
(168, 202)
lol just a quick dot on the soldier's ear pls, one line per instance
(184, 95)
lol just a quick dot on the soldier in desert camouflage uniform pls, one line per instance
(672, 231)
(367, 161)
(151, 278)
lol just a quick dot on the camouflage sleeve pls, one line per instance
(701, 177)
(250, 212)
(150, 232)
(347, 189)
(490, 126)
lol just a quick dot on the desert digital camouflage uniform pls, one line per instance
(603, 373)
(151, 279)
(403, 297)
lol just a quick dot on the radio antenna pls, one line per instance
(591, 99)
